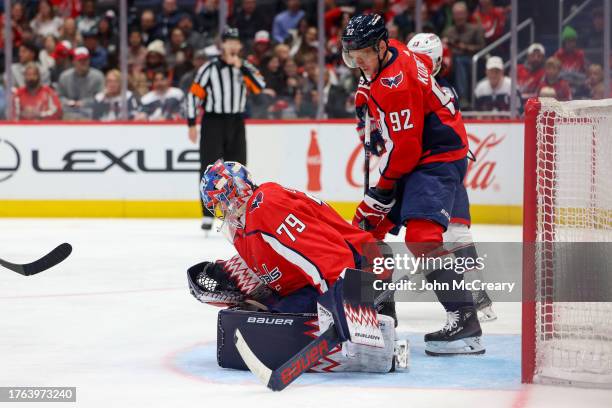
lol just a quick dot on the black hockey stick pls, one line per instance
(366, 150)
(302, 361)
(54, 257)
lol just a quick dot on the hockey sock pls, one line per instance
(448, 289)
(423, 237)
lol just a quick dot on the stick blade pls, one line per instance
(250, 359)
(54, 257)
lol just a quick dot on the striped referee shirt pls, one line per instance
(222, 88)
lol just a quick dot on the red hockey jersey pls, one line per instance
(292, 240)
(419, 121)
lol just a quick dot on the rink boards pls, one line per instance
(152, 170)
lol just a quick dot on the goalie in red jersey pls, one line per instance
(293, 250)
(423, 146)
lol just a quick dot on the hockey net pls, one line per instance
(567, 305)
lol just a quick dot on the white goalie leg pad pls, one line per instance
(360, 358)
(468, 345)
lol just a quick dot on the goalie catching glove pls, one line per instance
(228, 283)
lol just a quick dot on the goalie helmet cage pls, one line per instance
(567, 198)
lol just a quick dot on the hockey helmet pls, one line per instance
(363, 31)
(226, 186)
(430, 45)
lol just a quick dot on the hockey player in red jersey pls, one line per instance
(295, 243)
(293, 250)
(423, 146)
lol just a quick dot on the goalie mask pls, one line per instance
(225, 189)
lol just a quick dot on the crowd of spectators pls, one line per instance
(66, 55)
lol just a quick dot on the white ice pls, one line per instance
(112, 319)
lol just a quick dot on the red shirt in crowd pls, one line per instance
(528, 80)
(571, 61)
(493, 22)
(44, 104)
(561, 87)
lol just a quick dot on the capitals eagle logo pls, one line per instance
(392, 82)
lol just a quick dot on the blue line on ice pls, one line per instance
(499, 368)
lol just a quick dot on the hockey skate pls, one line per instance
(460, 335)
(484, 306)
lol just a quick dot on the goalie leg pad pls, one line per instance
(349, 305)
(360, 358)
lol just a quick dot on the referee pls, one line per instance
(221, 86)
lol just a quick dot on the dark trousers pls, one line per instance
(221, 136)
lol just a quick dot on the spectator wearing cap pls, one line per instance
(45, 22)
(88, 18)
(35, 101)
(28, 52)
(163, 102)
(193, 38)
(199, 59)
(148, 27)
(137, 53)
(491, 18)
(552, 79)
(62, 57)
(571, 57)
(220, 87)
(169, 18)
(249, 20)
(287, 20)
(107, 104)
(98, 55)
(494, 93)
(530, 74)
(465, 39)
(156, 61)
(261, 48)
(78, 86)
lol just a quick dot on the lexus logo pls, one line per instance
(9, 159)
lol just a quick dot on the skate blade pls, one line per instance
(467, 346)
(486, 314)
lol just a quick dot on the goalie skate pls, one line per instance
(460, 335)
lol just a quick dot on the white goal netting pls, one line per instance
(574, 220)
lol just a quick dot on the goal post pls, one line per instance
(567, 273)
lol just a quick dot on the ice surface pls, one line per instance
(116, 320)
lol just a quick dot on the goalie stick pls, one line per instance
(54, 257)
(280, 378)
